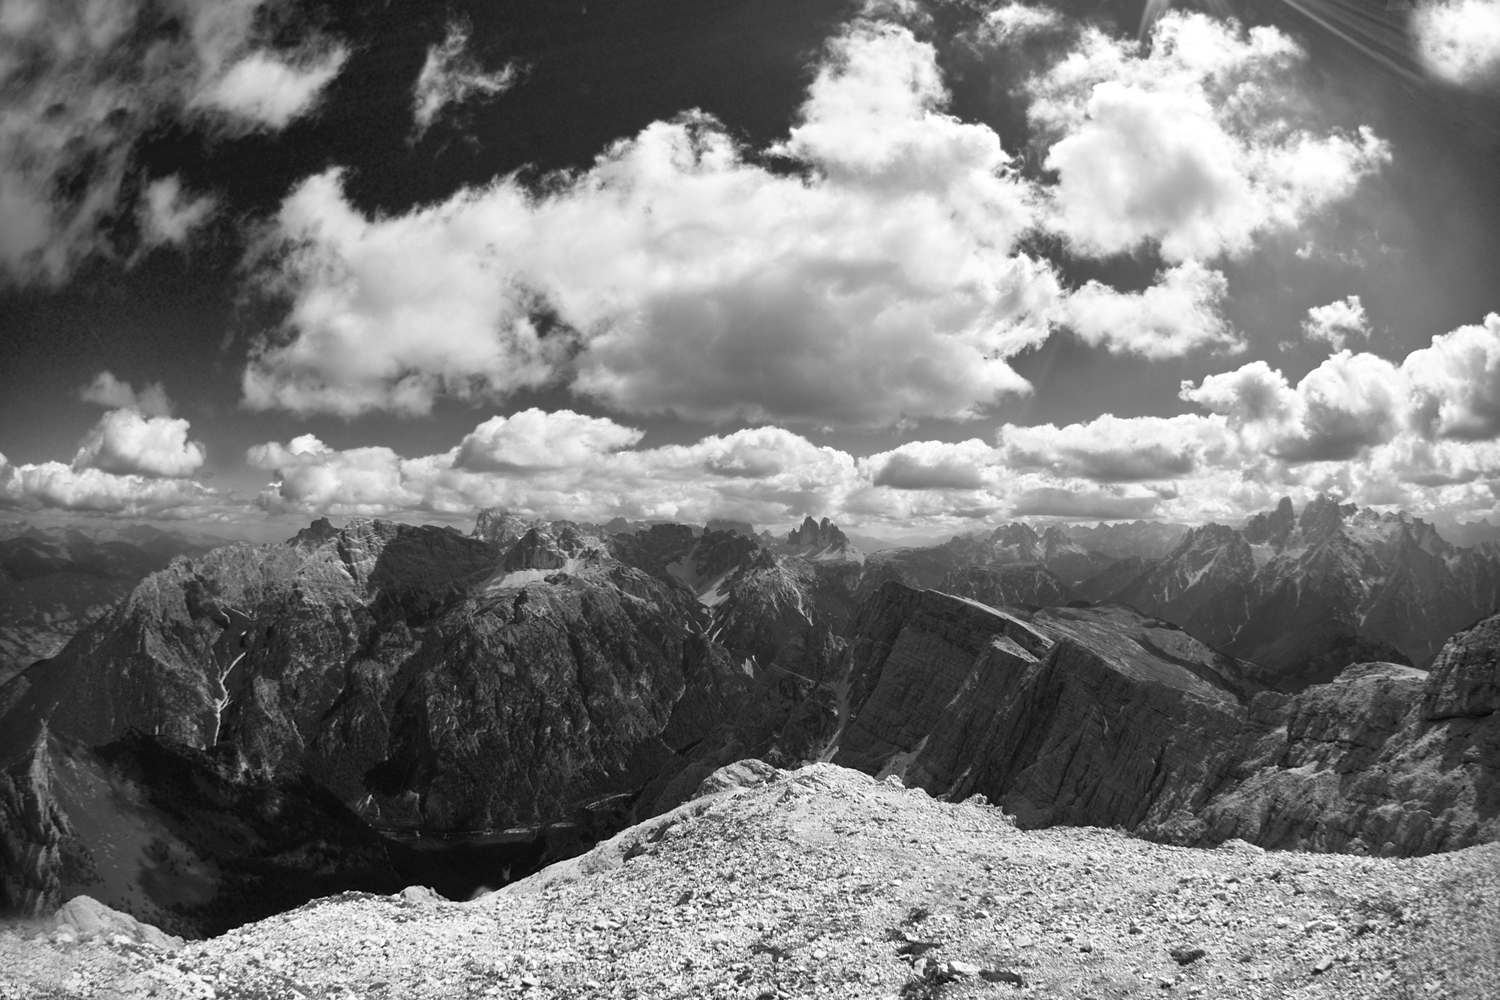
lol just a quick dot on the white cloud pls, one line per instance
(53, 485)
(534, 439)
(1459, 40)
(450, 75)
(108, 391)
(760, 474)
(1187, 145)
(1456, 382)
(1348, 403)
(1177, 314)
(1358, 425)
(934, 465)
(1014, 21)
(1110, 449)
(268, 90)
(677, 276)
(1336, 322)
(128, 443)
(1353, 402)
(169, 214)
(80, 84)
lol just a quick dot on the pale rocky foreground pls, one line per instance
(824, 882)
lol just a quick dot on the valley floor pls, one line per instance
(825, 883)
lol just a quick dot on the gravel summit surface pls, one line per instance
(824, 882)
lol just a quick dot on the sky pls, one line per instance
(919, 266)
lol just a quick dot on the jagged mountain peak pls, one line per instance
(1015, 533)
(820, 541)
(502, 527)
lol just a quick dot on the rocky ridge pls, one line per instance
(826, 882)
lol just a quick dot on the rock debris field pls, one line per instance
(823, 882)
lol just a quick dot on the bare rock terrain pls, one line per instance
(825, 882)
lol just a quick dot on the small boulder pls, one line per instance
(748, 773)
(87, 917)
(419, 895)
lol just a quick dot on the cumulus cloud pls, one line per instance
(1013, 21)
(108, 391)
(1336, 322)
(1177, 314)
(81, 83)
(1186, 145)
(169, 213)
(451, 75)
(677, 276)
(267, 90)
(934, 465)
(762, 474)
(1458, 41)
(1112, 449)
(1348, 403)
(1353, 402)
(54, 485)
(128, 443)
(1456, 382)
(534, 439)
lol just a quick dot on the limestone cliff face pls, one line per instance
(1103, 716)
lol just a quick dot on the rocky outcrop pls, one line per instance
(1466, 674)
(33, 830)
(1354, 765)
(86, 917)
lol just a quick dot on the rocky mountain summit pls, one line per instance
(508, 697)
(826, 882)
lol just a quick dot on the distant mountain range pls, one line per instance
(53, 581)
(393, 684)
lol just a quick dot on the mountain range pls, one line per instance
(406, 696)
(53, 581)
